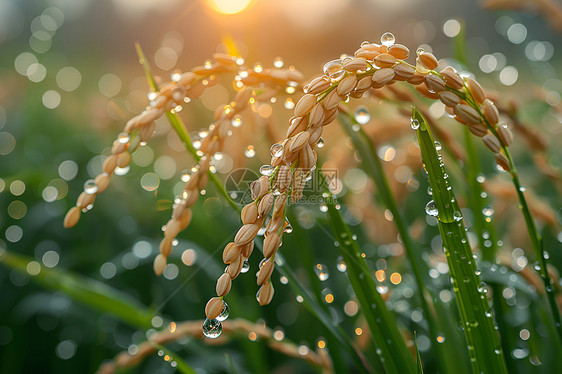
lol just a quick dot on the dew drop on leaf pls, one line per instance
(431, 209)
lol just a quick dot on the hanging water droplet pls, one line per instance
(258, 67)
(276, 150)
(362, 115)
(288, 227)
(225, 312)
(457, 216)
(278, 62)
(266, 170)
(334, 70)
(419, 51)
(90, 187)
(250, 152)
(245, 266)
(212, 328)
(414, 124)
(438, 146)
(122, 171)
(431, 209)
(322, 272)
(323, 208)
(477, 271)
(387, 39)
(320, 143)
(236, 121)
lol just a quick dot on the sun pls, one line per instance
(230, 6)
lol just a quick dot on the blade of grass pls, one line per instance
(418, 358)
(90, 292)
(394, 354)
(179, 128)
(482, 339)
(230, 364)
(182, 366)
(374, 169)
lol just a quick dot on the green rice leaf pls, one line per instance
(97, 295)
(476, 315)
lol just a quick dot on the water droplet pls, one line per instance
(212, 328)
(322, 272)
(497, 351)
(431, 209)
(473, 323)
(122, 171)
(522, 189)
(250, 152)
(266, 170)
(341, 266)
(481, 178)
(258, 67)
(477, 271)
(245, 266)
(362, 115)
(438, 146)
(334, 70)
(176, 76)
(457, 216)
(276, 150)
(152, 95)
(482, 288)
(387, 39)
(123, 138)
(236, 121)
(278, 62)
(225, 312)
(488, 211)
(414, 124)
(90, 187)
(288, 227)
(419, 51)
(323, 208)
(320, 143)
(289, 103)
